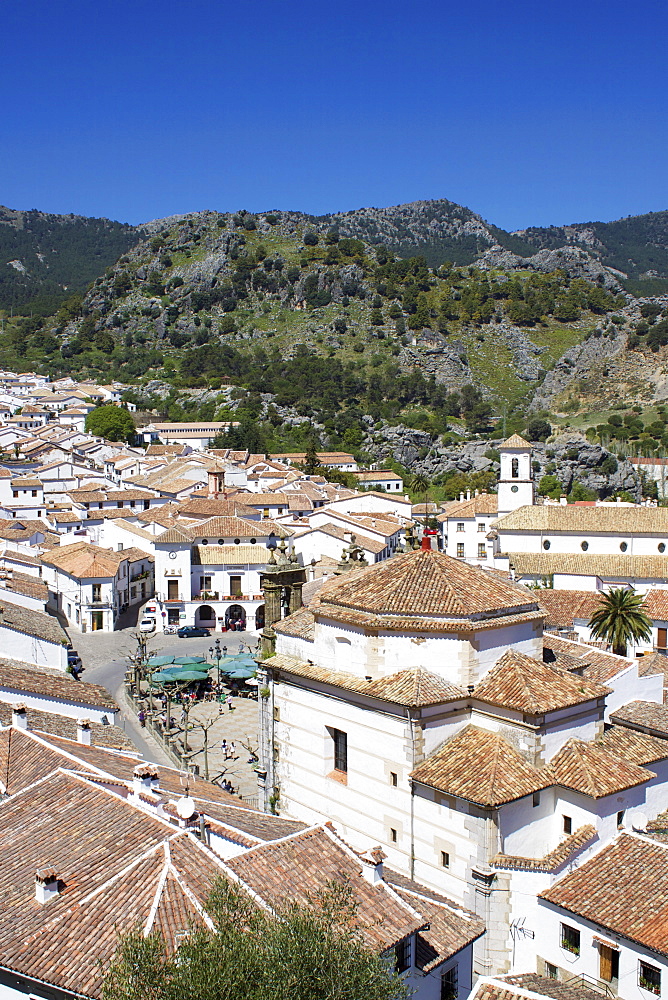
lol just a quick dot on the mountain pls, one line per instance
(637, 246)
(46, 258)
(328, 323)
(440, 230)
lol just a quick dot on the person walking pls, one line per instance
(223, 747)
(230, 706)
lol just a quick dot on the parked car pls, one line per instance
(147, 625)
(170, 629)
(190, 631)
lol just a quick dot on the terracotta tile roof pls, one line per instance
(527, 685)
(85, 561)
(396, 623)
(53, 684)
(111, 737)
(634, 746)
(621, 567)
(335, 531)
(616, 520)
(231, 527)
(29, 622)
(502, 988)
(214, 555)
(552, 861)
(211, 507)
(300, 625)
(482, 767)
(562, 606)
(23, 583)
(452, 926)
(414, 687)
(484, 503)
(295, 869)
(653, 663)
(593, 770)
(623, 889)
(515, 441)
(117, 867)
(656, 604)
(424, 583)
(174, 535)
(646, 716)
(597, 665)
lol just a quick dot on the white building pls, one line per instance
(417, 703)
(90, 586)
(211, 575)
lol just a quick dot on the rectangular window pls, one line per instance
(460, 550)
(393, 779)
(620, 818)
(393, 835)
(34, 493)
(568, 824)
(482, 550)
(445, 859)
(402, 955)
(649, 977)
(97, 592)
(449, 985)
(536, 799)
(235, 586)
(340, 750)
(570, 939)
(460, 525)
(265, 513)
(481, 526)
(550, 971)
(172, 590)
(205, 583)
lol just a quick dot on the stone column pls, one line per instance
(295, 596)
(272, 591)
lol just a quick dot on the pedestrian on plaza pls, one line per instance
(233, 751)
(184, 715)
(141, 715)
(223, 747)
(230, 706)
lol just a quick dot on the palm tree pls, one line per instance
(619, 618)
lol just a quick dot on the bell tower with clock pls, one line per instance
(516, 481)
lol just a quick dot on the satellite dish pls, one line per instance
(638, 820)
(186, 807)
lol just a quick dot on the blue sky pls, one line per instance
(528, 113)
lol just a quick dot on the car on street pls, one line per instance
(147, 625)
(190, 631)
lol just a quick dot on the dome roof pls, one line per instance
(424, 584)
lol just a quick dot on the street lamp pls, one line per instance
(218, 653)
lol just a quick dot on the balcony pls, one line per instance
(144, 575)
(98, 605)
(206, 595)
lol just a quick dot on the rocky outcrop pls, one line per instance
(577, 262)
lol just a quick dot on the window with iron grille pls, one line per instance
(649, 977)
(460, 550)
(482, 550)
(570, 939)
(402, 955)
(449, 986)
(460, 525)
(340, 750)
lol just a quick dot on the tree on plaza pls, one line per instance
(621, 618)
(111, 422)
(307, 951)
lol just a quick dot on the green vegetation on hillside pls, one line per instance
(45, 258)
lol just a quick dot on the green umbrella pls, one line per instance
(243, 673)
(165, 677)
(191, 675)
(189, 659)
(159, 661)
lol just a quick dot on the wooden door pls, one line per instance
(608, 963)
(662, 638)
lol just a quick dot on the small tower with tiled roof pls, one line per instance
(515, 482)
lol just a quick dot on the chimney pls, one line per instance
(144, 779)
(83, 731)
(372, 865)
(461, 498)
(47, 886)
(426, 543)
(19, 717)
(468, 494)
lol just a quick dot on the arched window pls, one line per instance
(515, 468)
